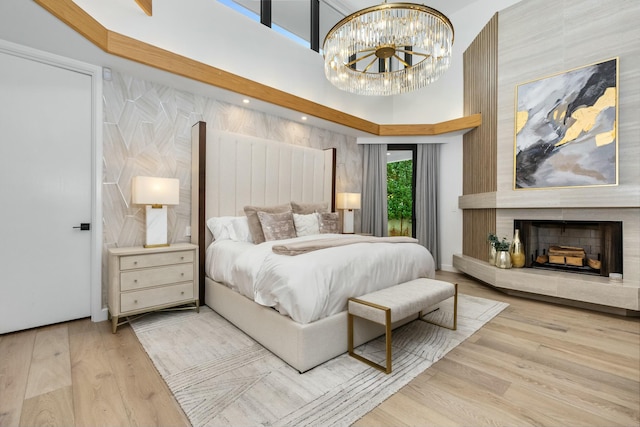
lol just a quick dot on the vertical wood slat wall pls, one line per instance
(480, 62)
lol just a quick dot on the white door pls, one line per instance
(45, 191)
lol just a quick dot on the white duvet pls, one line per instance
(317, 284)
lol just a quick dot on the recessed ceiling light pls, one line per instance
(304, 117)
(246, 101)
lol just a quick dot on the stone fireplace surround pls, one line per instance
(523, 41)
(593, 292)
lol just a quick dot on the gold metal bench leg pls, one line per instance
(388, 339)
(455, 313)
(386, 369)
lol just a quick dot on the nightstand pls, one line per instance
(142, 280)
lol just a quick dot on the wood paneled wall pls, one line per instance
(476, 225)
(480, 144)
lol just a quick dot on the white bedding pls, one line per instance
(317, 284)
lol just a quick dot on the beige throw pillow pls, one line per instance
(277, 226)
(329, 222)
(309, 208)
(254, 222)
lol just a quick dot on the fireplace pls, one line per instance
(583, 247)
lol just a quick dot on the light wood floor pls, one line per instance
(535, 364)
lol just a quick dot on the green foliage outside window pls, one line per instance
(400, 197)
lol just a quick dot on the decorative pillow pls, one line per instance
(309, 208)
(230, 228)
(277, 226)
(306, 225)
(241, 233)
(254, 222)
(220, 227)
(328, 222)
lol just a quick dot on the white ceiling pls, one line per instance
(293, 15)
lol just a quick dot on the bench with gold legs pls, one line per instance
(398, 302)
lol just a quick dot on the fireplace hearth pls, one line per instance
(583, 247)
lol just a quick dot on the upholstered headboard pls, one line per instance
(230, 171)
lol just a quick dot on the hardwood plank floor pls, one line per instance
(15, 358)
(110, 381)
(50, 368)
(536, 364)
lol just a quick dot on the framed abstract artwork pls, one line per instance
(566, 129)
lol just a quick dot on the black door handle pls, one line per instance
(84, 226)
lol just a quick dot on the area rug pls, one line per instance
(222, 377)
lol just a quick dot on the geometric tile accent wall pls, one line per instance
(147, 131)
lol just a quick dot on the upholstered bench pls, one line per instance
(399, 302)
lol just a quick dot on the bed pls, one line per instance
(303, 327)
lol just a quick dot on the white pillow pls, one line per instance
(241, 232)
(306, 225)
(221, 227)
(230, 228)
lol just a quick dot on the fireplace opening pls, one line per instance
(584, 247)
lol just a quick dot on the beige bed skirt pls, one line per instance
(303, 346)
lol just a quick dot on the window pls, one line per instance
(292, 18)
(284, 12)
(401, 189)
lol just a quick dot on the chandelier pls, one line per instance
(388, 49)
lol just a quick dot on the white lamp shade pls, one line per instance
(348, 201)
(148, 190)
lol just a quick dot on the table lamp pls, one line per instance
(156, 194)
(348, 202)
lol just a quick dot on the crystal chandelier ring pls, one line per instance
(388, 49)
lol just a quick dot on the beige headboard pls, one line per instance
(230, 171)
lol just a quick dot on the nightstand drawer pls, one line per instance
(152, 260)
(137, 279)
(139, 300)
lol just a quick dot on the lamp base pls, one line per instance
(156, 218)
(347, 221)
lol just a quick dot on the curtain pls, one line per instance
(426, 203)
(374, 190)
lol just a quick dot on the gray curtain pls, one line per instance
(426, 203)
(374, 190)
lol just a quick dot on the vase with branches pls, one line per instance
(499, 251)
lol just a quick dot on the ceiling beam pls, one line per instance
(450, 126)
(126, 47)
(146, 6)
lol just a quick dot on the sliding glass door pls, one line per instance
(401, 161)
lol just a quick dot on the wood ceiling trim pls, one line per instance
(126, 47)
(146, 6)
(455, 125)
